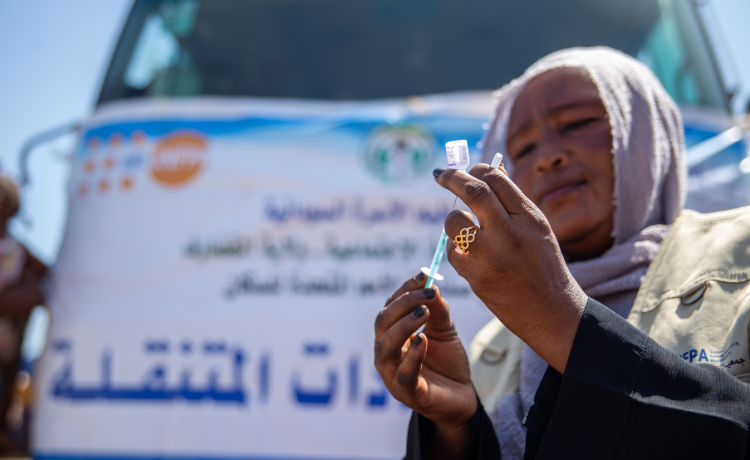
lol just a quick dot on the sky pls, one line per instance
(54, 55)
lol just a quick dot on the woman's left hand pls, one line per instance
(514, 265)
(428, 372)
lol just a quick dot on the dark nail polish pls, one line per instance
(417, 340)
(429, 293)
(437, 171)
(421, 276)
(419, 312)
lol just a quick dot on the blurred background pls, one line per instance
(224, 188)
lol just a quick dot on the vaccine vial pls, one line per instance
(458, 154)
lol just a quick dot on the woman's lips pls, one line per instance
(560, 192)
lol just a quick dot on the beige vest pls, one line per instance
(694, 301)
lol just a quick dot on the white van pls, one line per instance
(255, 181)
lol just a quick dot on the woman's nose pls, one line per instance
(550, 155)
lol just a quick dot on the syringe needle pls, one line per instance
(458, 158)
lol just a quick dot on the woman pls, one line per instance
(643, 132)
(596, 147)
(21, 276)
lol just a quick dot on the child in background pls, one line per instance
(20, 291)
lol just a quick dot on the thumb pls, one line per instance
(440, 314)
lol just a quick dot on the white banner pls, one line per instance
(222, 267)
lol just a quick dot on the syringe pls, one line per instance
(456, 160)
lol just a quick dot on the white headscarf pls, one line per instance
(648, 152)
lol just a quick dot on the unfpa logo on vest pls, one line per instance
(179, 158)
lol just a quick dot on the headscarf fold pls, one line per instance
(648, 153)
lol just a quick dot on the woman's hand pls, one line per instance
(514, 265)
(428, 372)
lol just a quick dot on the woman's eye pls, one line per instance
(578, 124)
(524, 151)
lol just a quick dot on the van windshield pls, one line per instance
(369, 49)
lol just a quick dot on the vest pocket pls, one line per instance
(706, 320)
(693, 293)
(492, 357)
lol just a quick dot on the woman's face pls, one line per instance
(560, 143)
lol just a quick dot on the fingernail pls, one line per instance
(419, 312)
(417, 340)
(429, 293)
(421, 276)
(437, 171)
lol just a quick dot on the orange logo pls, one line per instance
(179, 158)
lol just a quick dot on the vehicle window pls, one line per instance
(677, 55)
(367, 49)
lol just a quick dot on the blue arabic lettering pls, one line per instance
(186, 347)
(154, 386)
(285, 248)
(264, 386)
(305, 212)
(433, 216)
(317, 387)
(394, 211)
(382, 285)
(320, 396)
(157, 346)
(332, 284)
(739, 361)
(61, 345)
(316, 348)
(353, 380)
(246, 283)
(214, 347)
(235, 246)
(156, 379)
(383, 250)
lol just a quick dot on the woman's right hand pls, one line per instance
(428, 372)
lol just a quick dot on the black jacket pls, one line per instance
(622, 396)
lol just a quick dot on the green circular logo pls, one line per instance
(399, 154)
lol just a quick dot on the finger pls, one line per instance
(439, 321)
(461, 262)
(388, 350)
(407, 373)
(477, 195)
(458, 258)
(401, 307)
(415, 282)
(510, 196)
(455, 223)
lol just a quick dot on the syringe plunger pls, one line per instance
(497, 160)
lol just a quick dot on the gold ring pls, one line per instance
(464, 238)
